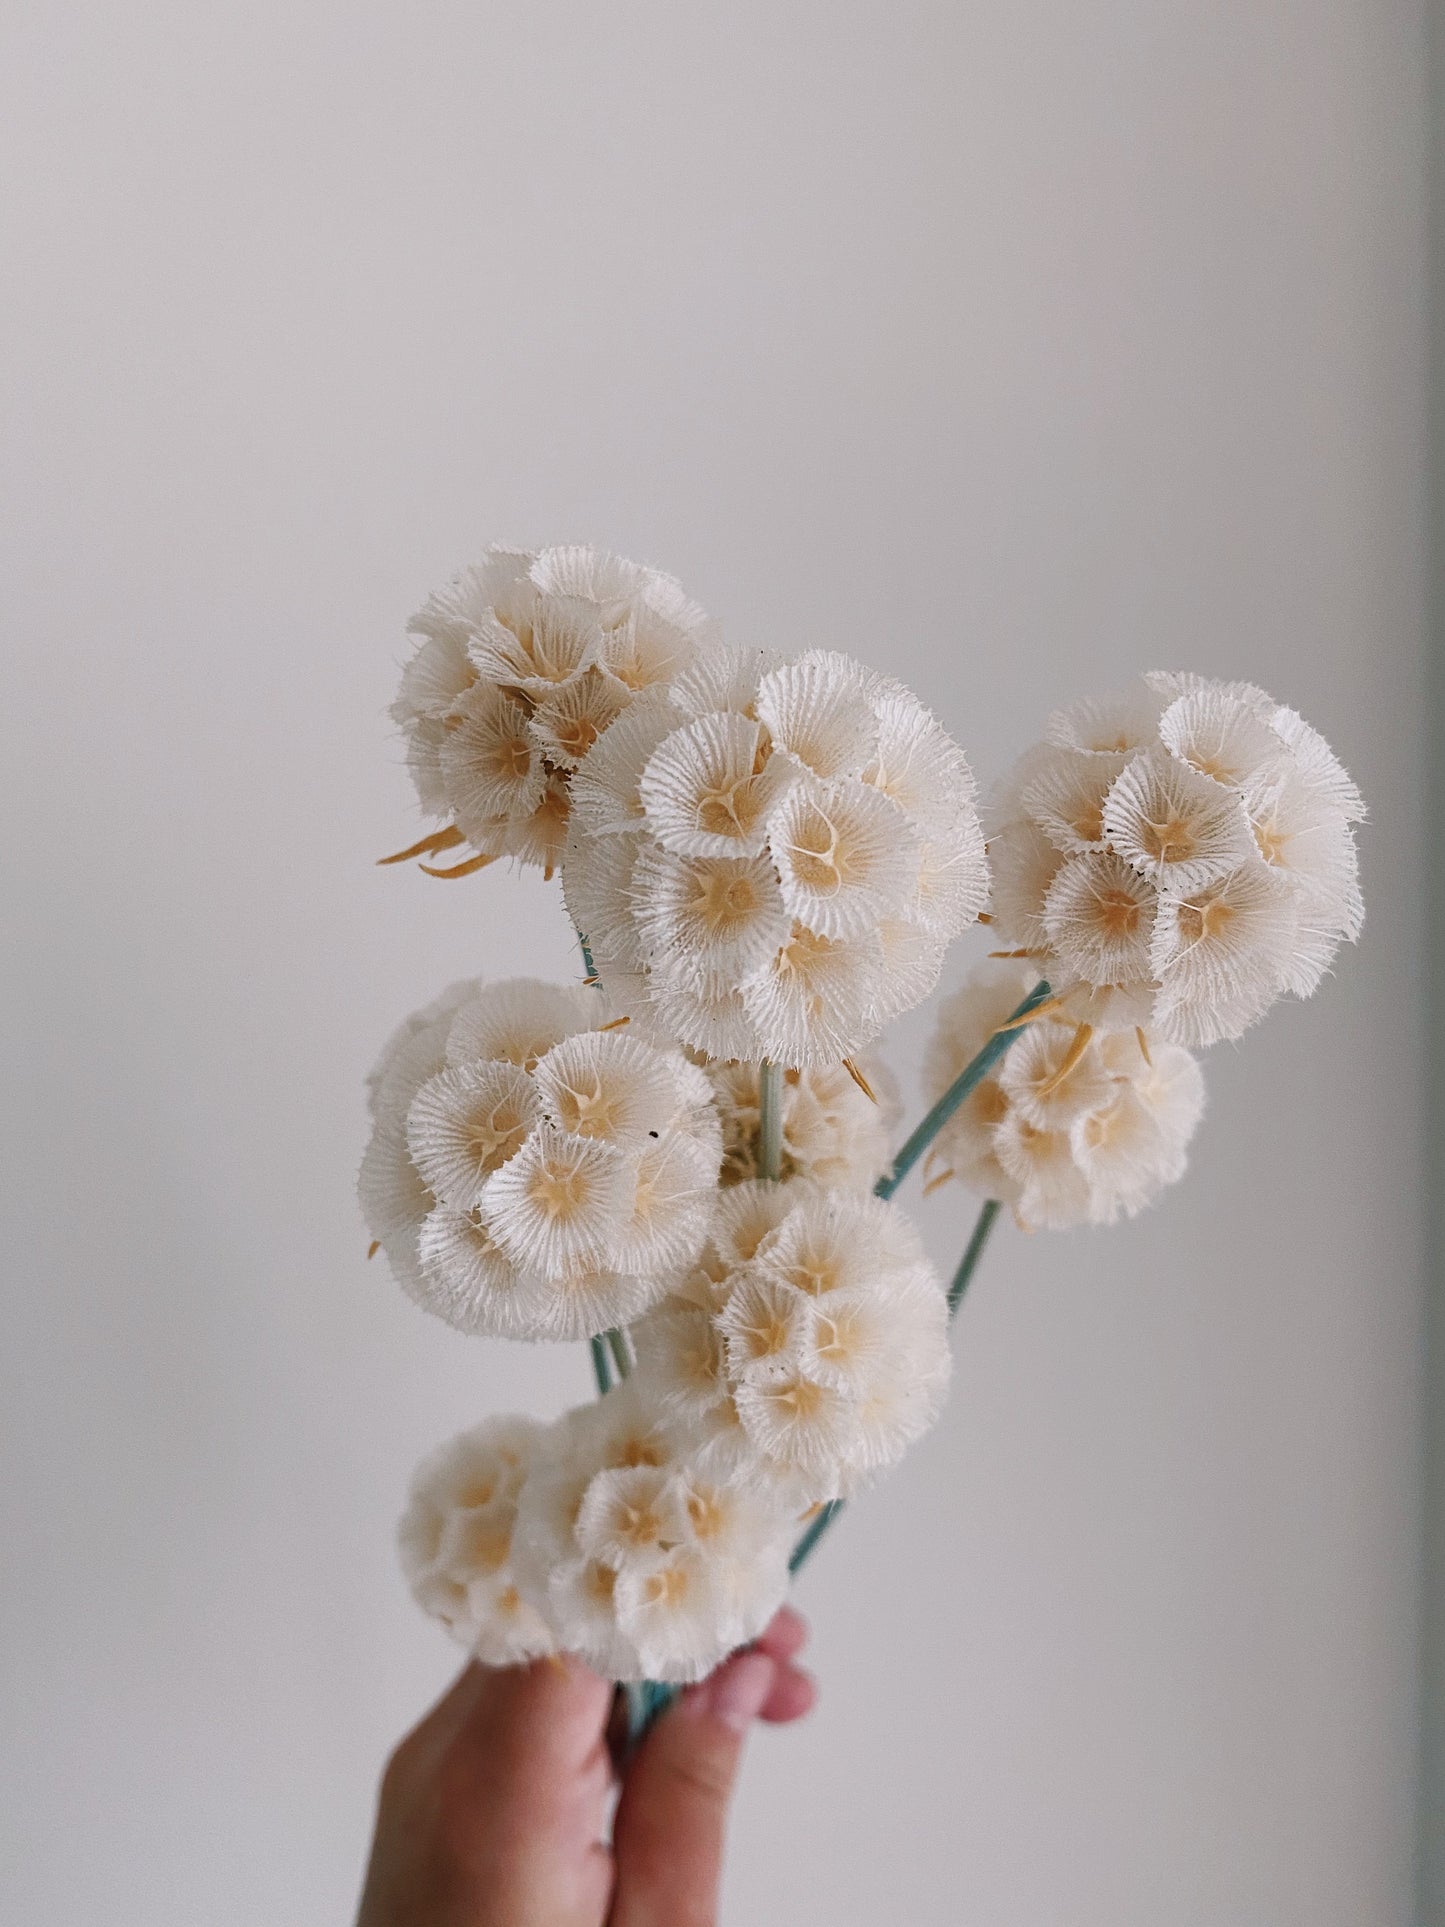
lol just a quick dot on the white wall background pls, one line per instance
(1014, 346)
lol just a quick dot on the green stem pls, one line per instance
(770, 1120)
(601, 1367)
(601, 1370)
(972, 1252)
(816, 1528)
(958, 1093)
(617, 1345)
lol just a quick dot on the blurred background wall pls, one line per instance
(1012, 347)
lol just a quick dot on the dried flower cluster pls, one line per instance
(1075, 1126)
(1178, 857)
(815, 1344)
(769, 859)
(531, 1172)
(597, 1535)
(522, 663)
(686, 1160)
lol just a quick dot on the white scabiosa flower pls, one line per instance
(1177, 858)
(833, 1131)
(394, 1197)
(827, 1354)
(1075, 1125)
(769, 859)
(533, 1172)
(456, 1538)
(521, 665)
(640, 1558)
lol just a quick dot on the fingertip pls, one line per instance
(737, 1692)
(785, 1635)
(556, 1702)
(793, 1697)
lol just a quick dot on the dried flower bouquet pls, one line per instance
(685, 1158)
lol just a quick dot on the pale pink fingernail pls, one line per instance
(738, 1693)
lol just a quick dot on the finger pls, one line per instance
(667, 1836)
(784, 1636)
(550, 1715)
(794, 1694)
(521, 1795)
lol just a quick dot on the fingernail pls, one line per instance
(740, 1689)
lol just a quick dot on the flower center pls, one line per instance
(600, 1583)
(587, 1112)
(558, 1193)
(729, 808)
(577, 736)
(493, 1137)
(706, 1513)
(512, 758)
(1118, 912)
(1172, 841)
(639, 1525)
(667, 1588)
(723, 901)
(802, 1397)
(1200, 921)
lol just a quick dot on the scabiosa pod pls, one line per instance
(769, 859)
(1068, 1128)
(520, 665)
(811, 1344)
(638, 1557)
(456, 1541)
(535, 1171)
(1178, 857)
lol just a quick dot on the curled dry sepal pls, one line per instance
(768, 859)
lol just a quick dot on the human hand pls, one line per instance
(493, 1809)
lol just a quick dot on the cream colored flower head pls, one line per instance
(520, 665)
(1074, 1125)
(833, 1131)
(533, 1173)
(768, 859)
(639, 1558)
(820, 1350)
(456, 1541)
(1178, 857)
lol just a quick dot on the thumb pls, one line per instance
(667, 1837)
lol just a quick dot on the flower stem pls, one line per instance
(959, 1091)
(601, 1367)
(817, 1526)
(770, 1120)
(601, 1370)
(972, 1252)
(617, 1345)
